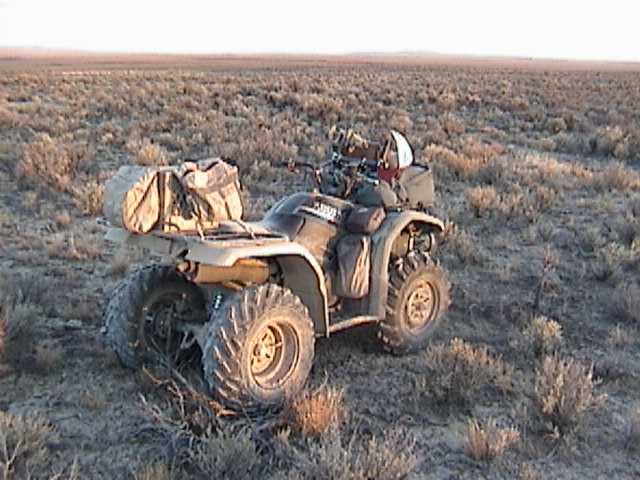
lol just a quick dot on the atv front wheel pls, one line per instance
(417, 299)
(259, 348)
(144, 313)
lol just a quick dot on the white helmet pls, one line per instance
(405, 155)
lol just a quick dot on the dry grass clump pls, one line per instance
(544, 335)
(563, 391)
(51, 163)
(626, 301)
(458, 371)
(317, 412)
(23, 444)
(488, 441)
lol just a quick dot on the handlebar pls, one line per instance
(339, 161)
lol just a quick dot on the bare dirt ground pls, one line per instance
(537, 176)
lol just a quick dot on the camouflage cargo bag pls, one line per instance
(212, 191)
(194, 196)
(132, 198)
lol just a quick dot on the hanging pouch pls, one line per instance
(354, 264)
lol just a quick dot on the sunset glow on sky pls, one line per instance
(542, 29)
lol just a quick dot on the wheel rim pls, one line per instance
(421, 307)
(273, 355)
(159, 333)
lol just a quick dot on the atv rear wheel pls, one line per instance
(259, 348)
(144, 313)
(417, 300)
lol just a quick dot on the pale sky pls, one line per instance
(562, 29)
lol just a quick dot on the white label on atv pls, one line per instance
(322, 210)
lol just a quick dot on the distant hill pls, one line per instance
(35, 56)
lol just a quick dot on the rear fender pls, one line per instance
(215, 261)
(382, 245)
(301, 272)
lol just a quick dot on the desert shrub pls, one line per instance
(528, 202)
(89, 197)
(72, 472)
(543, 335)
(458, 371)
(611, 260)
(322, 107)
(7, 117)
(16, 330)
(151, 154)
(547, 144)
(24, 440)
(631, 429)
(626, 301)
(153, 471)
(556, 124)
(627, 227)
(615, 176)
(488, 441)
(400, 120)
(606, 139)
(472, 147)
(389, 457)
(621, 337)
(482, 199)
(316, 412)
(4, 333)
(563, 391)
(47, 355)
(441, 155)
(466, 248)
(120, 263)
(471, 158)
(225, 454)
(68, 246)
(49, 162)
(451, 124)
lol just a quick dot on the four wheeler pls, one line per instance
(248, 299)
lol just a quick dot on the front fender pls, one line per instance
(382, 243)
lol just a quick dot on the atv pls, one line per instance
(245, 301)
